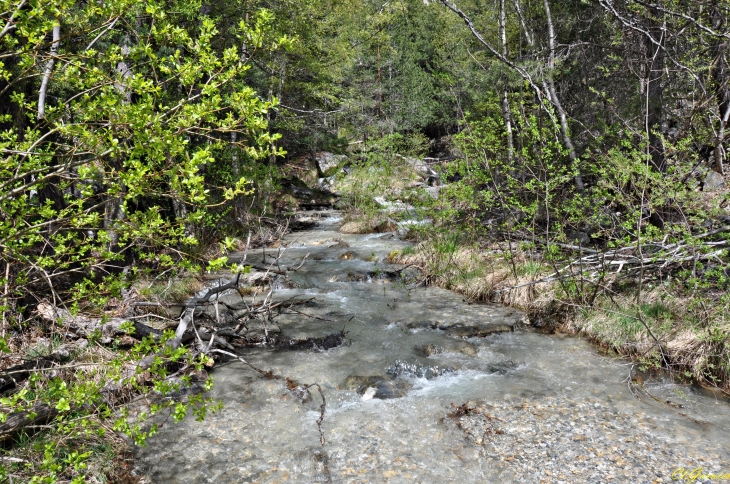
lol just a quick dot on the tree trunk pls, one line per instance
(506, 114)
(654, 44)
(553, 96)
(720, 77)
(49, 70)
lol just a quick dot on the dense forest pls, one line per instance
(582, 144)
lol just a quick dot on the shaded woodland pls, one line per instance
(142, 142)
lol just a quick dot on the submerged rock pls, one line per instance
(335, 242)
(351, 277)
(374, 386)
(503, 367)
(401, 368)
(455, 346)
(469, 329)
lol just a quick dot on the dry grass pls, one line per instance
(484, 276)
(171, 289)
(358, 227)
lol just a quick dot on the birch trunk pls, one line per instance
(49, 70)
(555, 100)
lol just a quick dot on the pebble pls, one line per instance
(562, 440)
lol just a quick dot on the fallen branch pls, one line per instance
(87, 327)
(187, 318)
(596, 263)
(18, 373)
(17, 422)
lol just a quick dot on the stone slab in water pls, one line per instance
(468, 329)
(452, 346)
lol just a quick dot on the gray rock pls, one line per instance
(577, 237)
(382, 387)
(394, 206)
(433, 192)
(713, 182)
(421, 168)
(328, 163)
(503, 367)
(401, 368)
(470, 328)
(452, 346)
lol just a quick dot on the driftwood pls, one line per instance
(187, 318)
(86, 327)
(12, 376)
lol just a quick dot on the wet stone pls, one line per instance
(381, 387)
(452, 346)
(503, 368)
(468, 329)
(401, 368)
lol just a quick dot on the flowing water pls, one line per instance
(414, 345)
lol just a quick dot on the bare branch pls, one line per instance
(10, 25)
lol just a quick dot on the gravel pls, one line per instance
(559, 440)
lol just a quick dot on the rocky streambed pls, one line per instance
(428, 388)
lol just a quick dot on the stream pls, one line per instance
(429, 389)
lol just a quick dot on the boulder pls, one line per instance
(355, 227)
(306, 197)
(328, 163)
(713, 182)
(421, 168)
(433, 192)
(387, 225)
(452, 346)
(578, 238)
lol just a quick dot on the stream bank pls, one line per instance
(425, 392)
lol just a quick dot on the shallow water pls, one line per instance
(266, 434)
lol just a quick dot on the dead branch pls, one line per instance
(16, 422)
(87, 327)
(18, 373)
(187, 318)
(661, 257)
